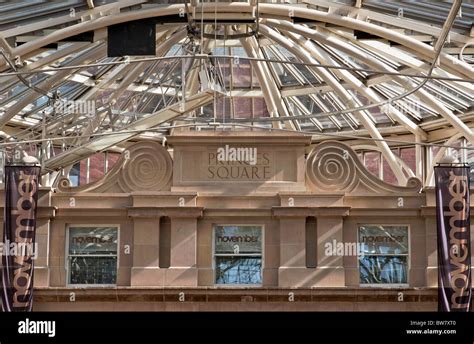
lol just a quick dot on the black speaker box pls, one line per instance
(133, 38)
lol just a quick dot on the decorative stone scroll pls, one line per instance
(144, 166)
(334, 167)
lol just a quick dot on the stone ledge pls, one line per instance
(336, 211)
(225, 294)
(151, 212)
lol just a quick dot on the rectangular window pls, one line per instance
(238, 254)
(384, 254)
(92, 255)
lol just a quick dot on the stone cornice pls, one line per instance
(221, 295)
(244, 138)
(431, 210)
(214, 212)
(384, 212)
(173, 212)
(310, 211)
(90, 212)
(42, 212)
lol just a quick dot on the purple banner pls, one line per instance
(454, 249)
(19, 228)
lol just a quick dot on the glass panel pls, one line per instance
(383, 270)
(383, 239)
(242, 107)
(93, 240)
(241, 70)
(388, 175)
(238, 270)
(260, 108)
(372, 162)
(408, 156)
(93, 270)
(238, 239)
(75, 174)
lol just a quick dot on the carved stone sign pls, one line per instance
(256, 169)
(209, 161)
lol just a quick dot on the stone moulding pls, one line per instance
(334, 167)
(230, 294)
(144, 166)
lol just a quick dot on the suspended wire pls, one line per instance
(216, 61)
(438, 49)
(425, 78)
(257, 59)
(22, 79)
(223, 77)
(230, 125)
(202, 28)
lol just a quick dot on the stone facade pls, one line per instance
(194, 190)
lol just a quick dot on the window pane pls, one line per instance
(75, 174)
(238, 270)
(93, 270)
(238, 239)
(383, 270)
(93, 240)
(372, 162)
(383, 239)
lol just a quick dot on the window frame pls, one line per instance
(408, 255)
(214, 255)
(67, 260)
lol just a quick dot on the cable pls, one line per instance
(302, 132)
(22, 79)
(216, 61)
(223, 78)
(204, 56)
(438, 48)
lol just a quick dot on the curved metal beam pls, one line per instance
(237, 9)
(339, 43)
(448, 62)
(90, 55)
(325, 58)
(369, 147)
(363, 116)
(272, 96)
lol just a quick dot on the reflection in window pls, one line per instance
(238, 270)
(384, 254)
(238, 254)
(93, 270)
(75, 174)
(92, 255)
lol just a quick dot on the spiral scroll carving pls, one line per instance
(414, 183)
(147, 166)
(144, 166)
(64, 183)
(331, 168)
(334, 167)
